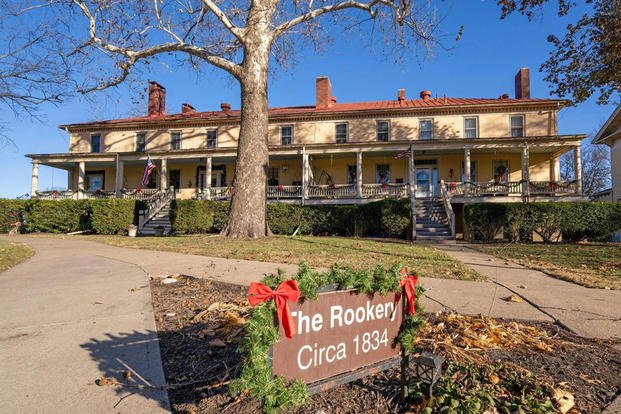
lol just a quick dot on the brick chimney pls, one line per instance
(400, 95)
(522, 84)
(225, 106)
(323, 93)
(157, 100)
(425, 95)
(186, 108)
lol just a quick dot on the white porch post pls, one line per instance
(467, 170)
(525, 172)
(359, 174)
(412, 187)
(305, 175)
(81, 178)
(578, 169)
(34, 179)
(207, 183)
(555, 168)
(163, 174)
(120, 173)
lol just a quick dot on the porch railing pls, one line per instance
(143, 194)
(99, 194)
(154, 205)
(57, 195)
(480, 189)
(332, 191)
(219, 193)
(384, 190)
(284, 191)
(552, 187)
(448, 208)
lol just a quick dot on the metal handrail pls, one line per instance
(154, 205)
(448, 208)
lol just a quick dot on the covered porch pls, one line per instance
(457, 169)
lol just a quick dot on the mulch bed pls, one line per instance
(200, 322)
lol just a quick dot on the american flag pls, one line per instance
(403, 154)
(148, 169)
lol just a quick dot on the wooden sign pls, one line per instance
(339, 332)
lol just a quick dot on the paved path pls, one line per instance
(588, 312)
(81, 310)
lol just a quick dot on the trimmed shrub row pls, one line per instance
(109, 216)
(386, 218)
(517, 222)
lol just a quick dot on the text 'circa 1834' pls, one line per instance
(338, 332)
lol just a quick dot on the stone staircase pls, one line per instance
(432, 224)
(160, 219)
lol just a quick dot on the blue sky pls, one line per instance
(482, 64)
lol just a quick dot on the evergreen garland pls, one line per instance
(261, 332)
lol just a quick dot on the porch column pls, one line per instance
(525, 172)
(304, 175)
(555, 168)
(359, 174)
(118, 180)
(34, 179)
(81, 177)
(467, 177)
(578, 169)
(412, 186)
(207, 183)
(70, 179)
(164, 174)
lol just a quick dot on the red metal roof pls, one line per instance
(336, 107)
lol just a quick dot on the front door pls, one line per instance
(424, 186)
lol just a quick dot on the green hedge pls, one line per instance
(107, 216)
(112, 216)
(573, 221)
(386, 218)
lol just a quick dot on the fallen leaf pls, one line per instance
(199, 315)
(169, 280)
(543, 347)
(493, 378)
(563, 400)
(127, 374)
(523, 287)
(106, 381)
(585, 378)
(234, 319)
(513, 298)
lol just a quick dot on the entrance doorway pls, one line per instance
(426, 178)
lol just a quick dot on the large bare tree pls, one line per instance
(244, 38)
(595, 168)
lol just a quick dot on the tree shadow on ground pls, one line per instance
(132, 360)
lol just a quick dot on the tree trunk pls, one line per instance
(247, 214)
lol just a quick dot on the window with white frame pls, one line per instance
(95, 143)
(425, 129)
(471, 127)
(212, 138)
(516, 123)
(286, 135)
(383, 131)
(141, 142)
(175, 140)
(340, 133)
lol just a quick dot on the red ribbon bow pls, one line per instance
(409, 285)
(286, 291)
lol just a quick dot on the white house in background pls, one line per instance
(610, 134)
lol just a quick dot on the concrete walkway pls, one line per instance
(588, 312)
(81, 310)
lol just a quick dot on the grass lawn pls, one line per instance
(317, 251)
(12, 253)
(593, 265)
